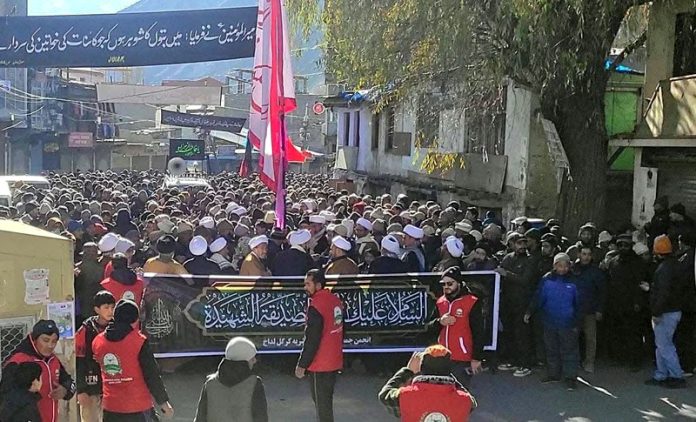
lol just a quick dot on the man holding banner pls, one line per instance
(322, 353)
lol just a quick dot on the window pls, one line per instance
(375, 130)
(428, 122)
(391, 128)
(346, 128)
(355, 140)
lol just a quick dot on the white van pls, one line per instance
(39, 182)
(5, 194)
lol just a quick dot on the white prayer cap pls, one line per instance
(123, 245)
(258, 240)
(198, 245)
(413, 231)
(454, 246)
(240, 349)
(214, 210)
(391, 244)
(331, 227)
(341, 243)
(231, 207)
(207, 222)
(219, 244)
(299, 237)
(108, 242)
(365, 223)
(166, 226)
(317, 219)
(463, 226)
(350, 225)
(162, 217)
(477, 235)
(240, 211)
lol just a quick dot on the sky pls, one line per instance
(77, 7)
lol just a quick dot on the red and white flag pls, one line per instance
(272, 97)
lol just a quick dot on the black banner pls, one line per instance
(129, 39)
(383, 313)
(188, 149)
(227, 124)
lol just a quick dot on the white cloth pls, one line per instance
(299, 237)
(317, 219)
(108, 242)
(219, 244)
(391, 244)
(413, 231)
(454, 246)
(258, 240)
(123, 245)
(341, 243)
(207, 222)
(365, 223)
(198, 246)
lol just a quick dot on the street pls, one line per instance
(617, 395)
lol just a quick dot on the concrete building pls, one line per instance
(513, 166)
(664, 139)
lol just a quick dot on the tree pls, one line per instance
(467, 47)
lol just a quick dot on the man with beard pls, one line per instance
(318, 244)
(518, 286)
(591, 286)
(389, 262)
(451, 254)
(460, 320)
(627, 303)
(587, 236)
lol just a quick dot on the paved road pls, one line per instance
(615, 395)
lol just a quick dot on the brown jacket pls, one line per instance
(252, 266)
(342, 266)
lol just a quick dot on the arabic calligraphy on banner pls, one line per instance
(382, 313)
(129, 39)
(222, 310)
(226, 124)
(188, 149)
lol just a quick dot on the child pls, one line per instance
(234, 389)
(20, 404)
(88, 371)
(557, 298)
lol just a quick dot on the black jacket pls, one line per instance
(624, 275)
(200, 265)
(686, 274)
(88, 376)
(666, 293)
(20, 406)
(521, 282)
(292, 262)
(388, 265)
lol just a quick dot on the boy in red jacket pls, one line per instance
(38, 347)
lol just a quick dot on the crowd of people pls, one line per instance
(629, 292)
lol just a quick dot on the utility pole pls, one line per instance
(304, 134)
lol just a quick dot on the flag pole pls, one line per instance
(279, 68)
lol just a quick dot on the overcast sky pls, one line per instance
(77, 7)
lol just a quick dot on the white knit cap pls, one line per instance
(123, 245)
(231, 207)
(258, 240)
(463, 226)
(454, 246)
(365, 223)
(299, 237)
(391, 244)
(604, 236)
(413, 231)
(240, 349)
(207, 222)
(108, 242)
(341, 243)
(198, 245)
(219, 244)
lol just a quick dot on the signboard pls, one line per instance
(227, 151)
(227, 124)
(188, 149)
(128, 39)
(81, 140)
(318, 108)
(386, 313)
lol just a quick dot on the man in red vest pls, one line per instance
(432, 394)
(123, 282)
(460, 321)
(130, 376)
(56, 383)
(322, 354)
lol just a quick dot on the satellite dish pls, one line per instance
(176, 166)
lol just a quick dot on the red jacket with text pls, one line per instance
(329, 357)
(425, 400)
(123, 384)
(120, 291)
(457, 337)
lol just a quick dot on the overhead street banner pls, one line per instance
(128, 39)
(226, 124)
(196, 316)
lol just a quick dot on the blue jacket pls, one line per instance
(558, 300)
